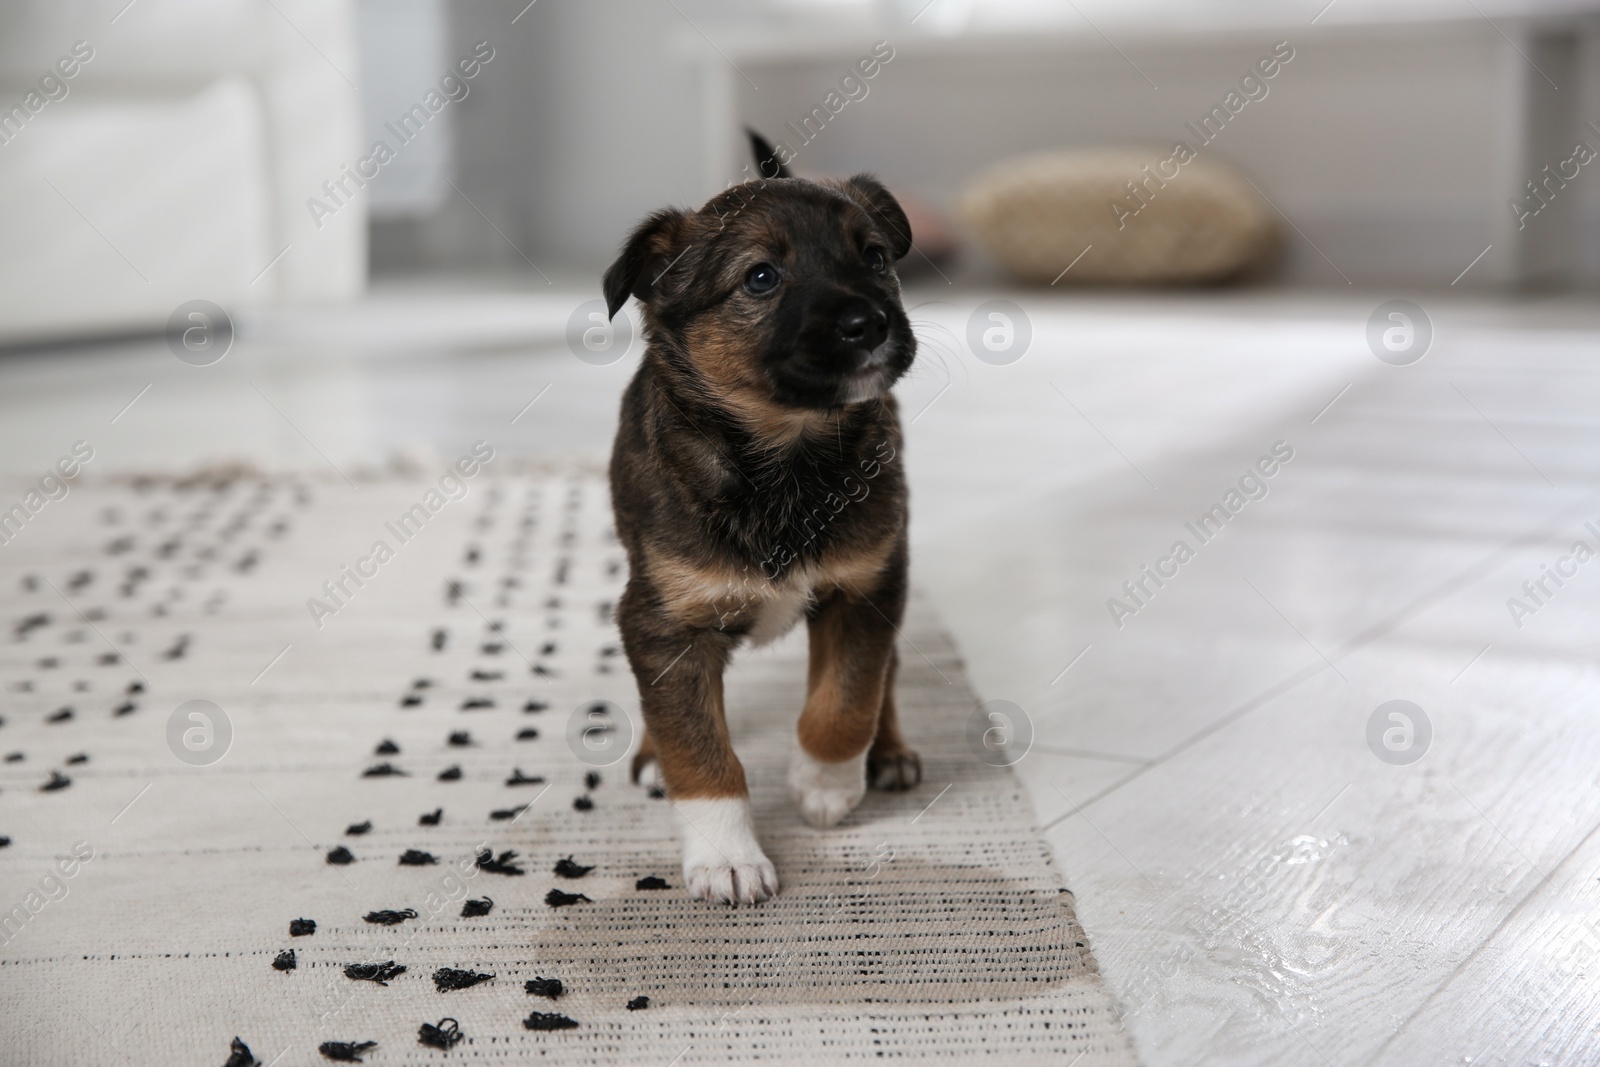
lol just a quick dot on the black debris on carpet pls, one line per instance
(414, 857)
(541, 1020)
(638, 1003)
(356, 829)
(430, 818)
(474, 908)
(345, 1051)
(383, 770)
(557, 899)
(651, 882)
(341, 856)
(442, 1035)
(568, 869)
(501, 864)
(390, 918)
(549, 988)
(375, 972)
(446, 979)
(286, 961)
(302, 927)
(240, 1055)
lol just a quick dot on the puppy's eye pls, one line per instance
(876, 259)
(762, 278)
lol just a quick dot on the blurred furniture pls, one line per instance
(1098, 216)
(1394, 144)
(179, 163)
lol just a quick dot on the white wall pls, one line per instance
(1392, 151)
(1393, 146)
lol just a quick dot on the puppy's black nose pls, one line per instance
(863, 325)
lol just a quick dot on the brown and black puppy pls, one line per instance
(756, 478)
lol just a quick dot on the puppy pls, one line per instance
(756, 478)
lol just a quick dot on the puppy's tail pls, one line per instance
(768, 165)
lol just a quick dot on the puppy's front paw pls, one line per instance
(723, 883)
(826, 792)
(722, 860)
(894, 770)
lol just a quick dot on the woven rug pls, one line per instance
(427, 769)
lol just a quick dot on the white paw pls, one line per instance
(650, 776)
(826, 792)
(722, 860)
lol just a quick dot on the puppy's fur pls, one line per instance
(757, 478)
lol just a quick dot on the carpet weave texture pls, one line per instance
(421, 750)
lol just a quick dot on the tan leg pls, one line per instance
(852, 646)
(679, 672)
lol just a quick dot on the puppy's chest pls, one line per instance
(744, 602)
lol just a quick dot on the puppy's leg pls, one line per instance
(891, 764)
(645, 770)
(679, 671)
(852, 645)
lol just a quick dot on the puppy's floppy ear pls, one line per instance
(768, 165)
(652, 247)
(885, 210)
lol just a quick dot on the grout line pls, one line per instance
(1381, 628)
(1488, 940)
(1084, 753)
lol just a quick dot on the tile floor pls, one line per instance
(1260, 887)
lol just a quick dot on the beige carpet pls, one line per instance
(930, 927)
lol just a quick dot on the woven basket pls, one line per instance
(1037, 214)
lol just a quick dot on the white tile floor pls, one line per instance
(1258, 885)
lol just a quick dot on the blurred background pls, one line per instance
(395, 213)
(181, 158)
